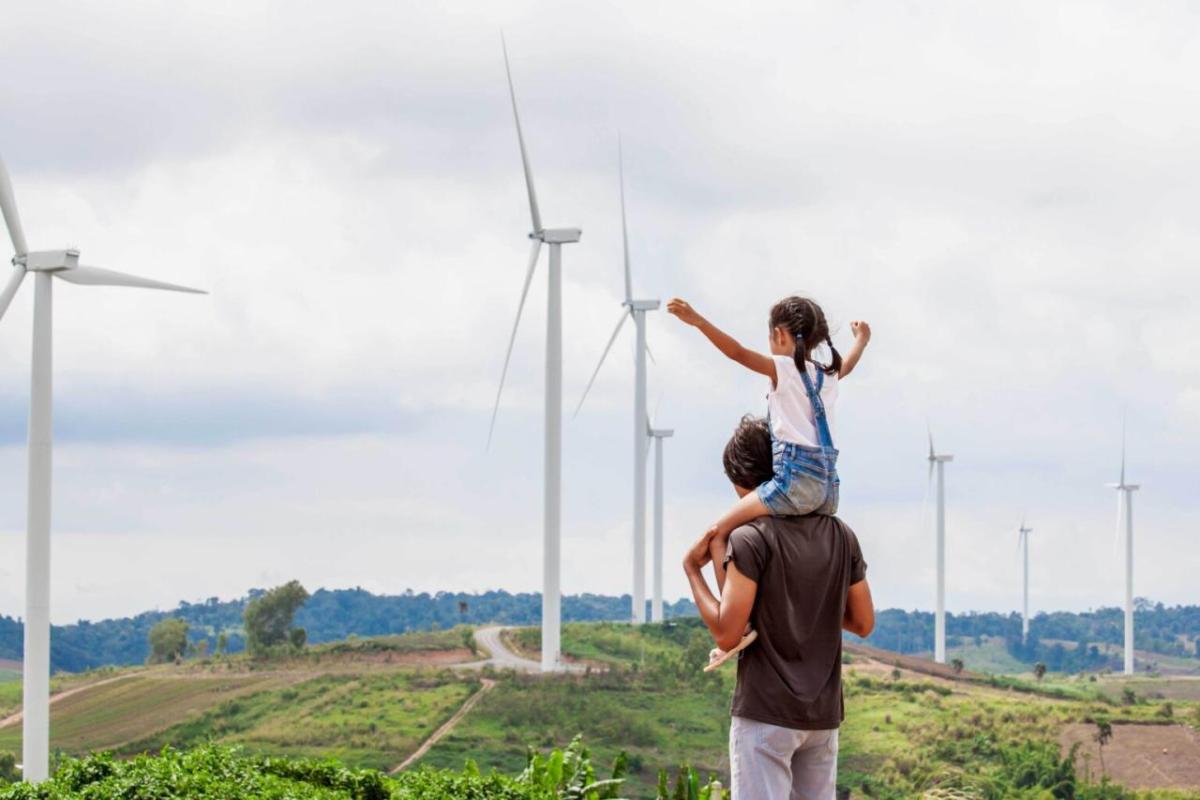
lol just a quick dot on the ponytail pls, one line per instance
(800, 354)
(835, 358)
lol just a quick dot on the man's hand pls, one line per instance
(861, 330)
(684, 311)
(698, 554)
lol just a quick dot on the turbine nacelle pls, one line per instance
(48, 260)
(941, 459)
(661, 433)
(557, 235)
(642, 305)
(1127, 487)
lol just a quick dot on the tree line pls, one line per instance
(328, 615)
(1064, 641)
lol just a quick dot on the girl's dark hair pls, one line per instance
(747, 457)
(805, 321)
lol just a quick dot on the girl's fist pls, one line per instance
(684, 311)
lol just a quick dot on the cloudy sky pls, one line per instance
(1001, 189)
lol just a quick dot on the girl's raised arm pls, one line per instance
(757, 362)
(862, 335)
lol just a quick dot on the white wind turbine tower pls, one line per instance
(552, 491)
(637, 310)
(1125, 519)
(656, 602)
(45, 265)
(939, 631)
(1023, 543)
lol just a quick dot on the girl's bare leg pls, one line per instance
(747, 508)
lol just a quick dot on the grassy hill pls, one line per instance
(371, 702)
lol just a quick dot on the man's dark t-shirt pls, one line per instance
(792, 675)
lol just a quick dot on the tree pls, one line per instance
(168, 641)
(1103, 736)
(1039, 670)
(8, 768)
(957, 665)
(268, 619)
(222, 642)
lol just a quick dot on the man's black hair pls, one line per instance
(747, 457)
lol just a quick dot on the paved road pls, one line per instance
(489, 639)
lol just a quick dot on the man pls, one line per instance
(799, 581)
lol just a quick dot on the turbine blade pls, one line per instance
(533, 258)
(604, 355)
(8, 205)
(512, 93)
(624, 227)
(653, 360)
(95, 276)
(10, 288)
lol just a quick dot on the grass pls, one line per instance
(110, 715)
(901, 737)
(991, 655)
(658, 726)
(370, 703)
(10, 697)
(370, 720)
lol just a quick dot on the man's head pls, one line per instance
(747, 457)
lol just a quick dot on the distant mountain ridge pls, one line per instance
(335, 614)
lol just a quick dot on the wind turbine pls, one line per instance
(637, 310)
(1125, 518)
(1023, 543)
(656, 602)
(45, 265)
(552, 490)
(939, 632)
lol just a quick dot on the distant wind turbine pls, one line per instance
(552, 491)
(1023, 542)
(656, 603)
(636, 309)
(46, 265)
(1125, 519)
(939, 632)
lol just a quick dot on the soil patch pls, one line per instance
(1139, 756)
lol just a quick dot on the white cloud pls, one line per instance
(1001, 189)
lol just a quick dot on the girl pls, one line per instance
(799, 410)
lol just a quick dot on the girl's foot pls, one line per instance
(717, 657)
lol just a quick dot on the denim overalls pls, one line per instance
(806, 479)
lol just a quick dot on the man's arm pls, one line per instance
(859, 618)
(727, 617)
(862, 335)
(732, 348)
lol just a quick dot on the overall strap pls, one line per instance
(814, 396)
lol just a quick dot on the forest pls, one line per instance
(1064, 641)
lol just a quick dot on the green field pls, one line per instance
(372, 702)
(365, 720)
